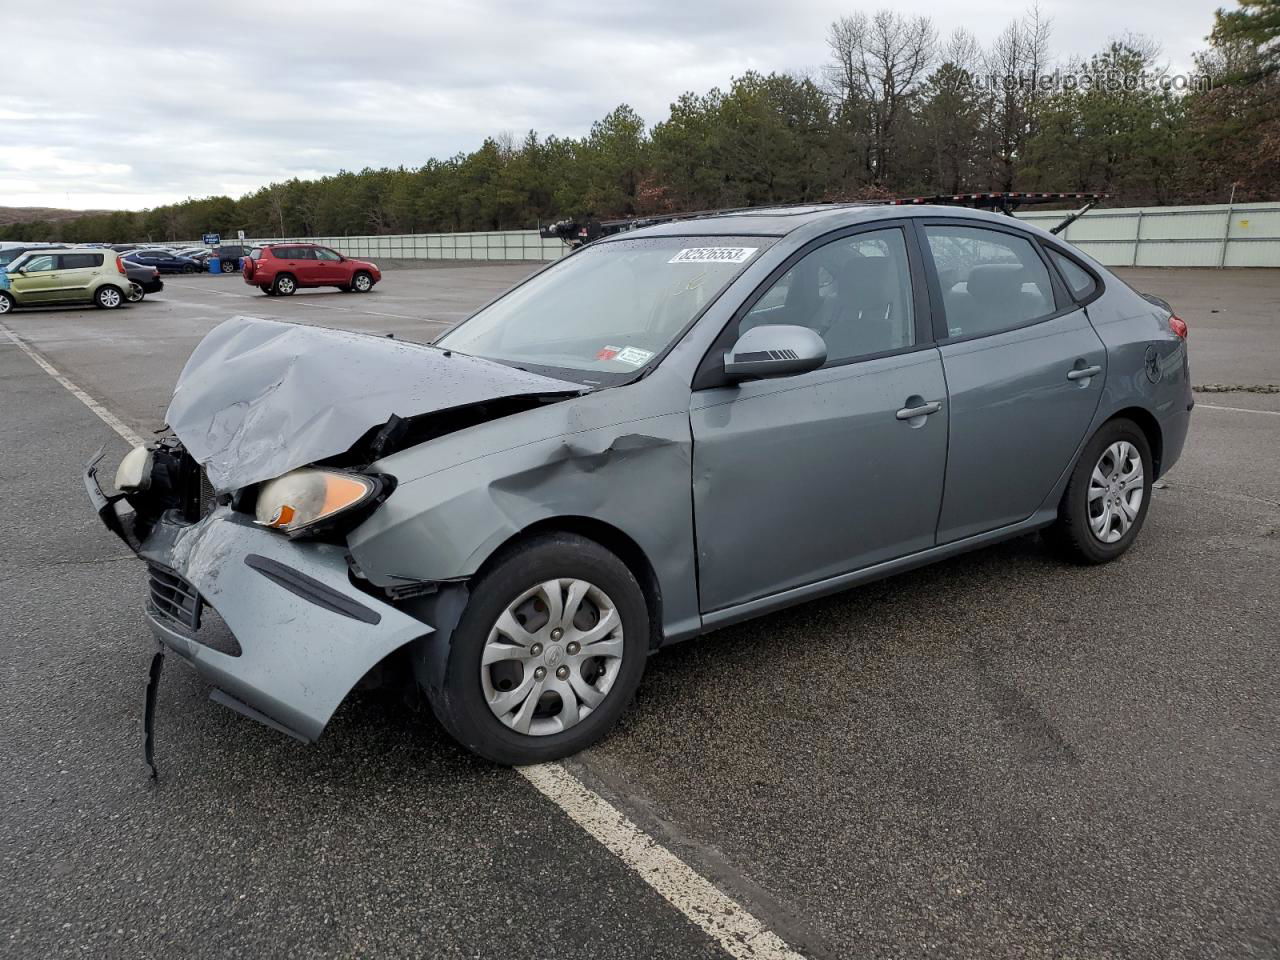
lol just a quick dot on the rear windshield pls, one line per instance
(255, 253)
(603, 314)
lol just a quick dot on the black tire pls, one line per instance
(362, 281)
(461, 706)
(108, 297)
(266, 288)
(1072, 533)
(285, 285)
(7, 303)
(345, 288)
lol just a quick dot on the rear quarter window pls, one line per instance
(1079, 281)
(256, 253)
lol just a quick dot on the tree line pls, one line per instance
(897, 110)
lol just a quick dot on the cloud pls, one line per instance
(133, 108)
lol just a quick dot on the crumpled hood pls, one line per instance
(258, 398)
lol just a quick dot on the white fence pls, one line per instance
(1224, 235)
(495, 245)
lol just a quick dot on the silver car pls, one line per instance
(668, 431)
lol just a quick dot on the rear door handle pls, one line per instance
(910, 413)
(1084, 372)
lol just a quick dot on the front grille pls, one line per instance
(173, 597)
(207, 499)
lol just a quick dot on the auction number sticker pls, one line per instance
(714, 255)
(634, 356)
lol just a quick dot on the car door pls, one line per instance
(797, 479)
(1024, 372)
(330, 268)
(77, 272)
(299, 262)
(37, 279)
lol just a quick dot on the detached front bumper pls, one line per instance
(306, 634)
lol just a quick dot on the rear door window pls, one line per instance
(80, 261)
(991, 280)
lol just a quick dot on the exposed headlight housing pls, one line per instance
(303, 500)
(134, 472)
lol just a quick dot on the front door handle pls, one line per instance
(1084, 372)
(910, 413)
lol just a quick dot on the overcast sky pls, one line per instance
(113, 105)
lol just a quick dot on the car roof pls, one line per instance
(780, 221)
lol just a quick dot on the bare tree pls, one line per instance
(1014, 65)
(877, 65)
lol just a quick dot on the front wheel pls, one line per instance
(266, 288)
(362, 282)
(6, 303)
(548, 653)
(1107, 496)
(108, 298)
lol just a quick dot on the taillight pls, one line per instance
(1178, 325)
(120, 266)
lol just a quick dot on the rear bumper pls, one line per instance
(306, 636)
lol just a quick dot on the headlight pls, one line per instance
(134, 472)
(301, 499)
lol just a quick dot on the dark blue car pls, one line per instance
(164, 261)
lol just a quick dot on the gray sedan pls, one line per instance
(668, 431)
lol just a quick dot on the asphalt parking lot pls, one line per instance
(996, 756)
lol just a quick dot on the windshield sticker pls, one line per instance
(607, 352)
(634, 356)
(714, 255)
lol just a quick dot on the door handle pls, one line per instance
(1083, 372)
(910, 413)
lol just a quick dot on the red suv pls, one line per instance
(278, 269)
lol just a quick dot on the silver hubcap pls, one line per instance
(362, 283)
(4, 304)
(135, 293)
(552, 657)
(110, 298)
(1115, 491)
(286, 286)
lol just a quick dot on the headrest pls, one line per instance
(993, 282)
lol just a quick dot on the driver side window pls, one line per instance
(40, 264)
(855, 292)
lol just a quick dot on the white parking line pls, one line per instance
(102, 413)
(737, 930)
(1214, 406)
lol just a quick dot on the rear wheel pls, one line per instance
(362, 282)
(109, 297)
(266, 288)
(548, 653)
(6, 302)
(285, 285)
(135, 294)
(1107, 496)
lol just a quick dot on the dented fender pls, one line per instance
(463, 496)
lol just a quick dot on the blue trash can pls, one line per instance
(215, 265)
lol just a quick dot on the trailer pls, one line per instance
(579, 231)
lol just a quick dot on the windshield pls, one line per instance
(604, 313)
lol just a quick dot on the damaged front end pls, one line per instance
(242, 513)
(304, 633)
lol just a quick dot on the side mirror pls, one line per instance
(774, 350)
